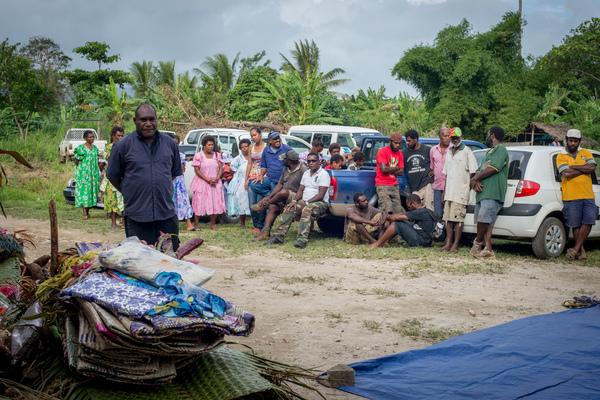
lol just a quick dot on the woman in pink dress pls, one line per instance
(208, 196)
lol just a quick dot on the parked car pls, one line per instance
(343, 135)
(533, 204)
(74, 138)
(189, 150)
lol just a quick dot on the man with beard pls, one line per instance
(282, 194)
(489, 182)
(418, 168)
(142, 167)
(363, 221)
(579, 206)
(437, 154)
(390, 165)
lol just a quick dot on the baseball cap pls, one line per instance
(290, 155)
(273, 135)
(574, 133)
(455, 132)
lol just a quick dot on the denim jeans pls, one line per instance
(438, 204)
(256, 192)
(407, 232)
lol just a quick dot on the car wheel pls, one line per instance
(550, 240)
(231, 219)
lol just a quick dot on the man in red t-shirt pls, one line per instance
(390, 164)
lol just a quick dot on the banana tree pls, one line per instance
(113, 106)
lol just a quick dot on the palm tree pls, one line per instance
(307, 60)
(143, 76)
(220, 71)
(164, 73)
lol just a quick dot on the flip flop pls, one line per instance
(86, 217)
(453, 251)
(571, 254)
(114, 228)
(193, 230)
(582, 257)
(442, 250)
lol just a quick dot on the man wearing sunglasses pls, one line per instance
(310, 202)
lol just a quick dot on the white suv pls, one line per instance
(533, 204)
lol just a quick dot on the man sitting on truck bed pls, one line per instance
(363, 223)
(414, 226)
(390, 165)
(317, 147)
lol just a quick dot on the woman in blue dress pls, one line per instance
(237, 203)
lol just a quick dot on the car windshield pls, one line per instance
(517, 163)
(296, 145)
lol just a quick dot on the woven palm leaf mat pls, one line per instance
(10, 269)
(220, 374)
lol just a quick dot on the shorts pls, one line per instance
(454, 212)
(487, 210)
(353, 237)
(290, 198)
(426, 195)
(580, 212)
(389, 198)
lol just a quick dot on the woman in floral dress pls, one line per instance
(238, 196)
(181, 197)
(87, 174)
(113, 199)
(253, 175)
(207, 186)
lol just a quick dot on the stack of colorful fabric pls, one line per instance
(140, 329)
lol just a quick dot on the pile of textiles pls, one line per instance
(141, 315)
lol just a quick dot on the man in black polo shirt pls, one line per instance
(143, 166)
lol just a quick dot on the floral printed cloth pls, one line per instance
(180, 195)
(118, 296)
(87, 175)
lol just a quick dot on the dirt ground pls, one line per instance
(340, 311)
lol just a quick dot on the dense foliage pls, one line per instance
(464, 78)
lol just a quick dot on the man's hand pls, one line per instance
(431, 174)
(290, 206)
(477, 186)
(375, 223)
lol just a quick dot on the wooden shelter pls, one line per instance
(537, 130)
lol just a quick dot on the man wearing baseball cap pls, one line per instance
(579, 205)
(459, 168)
(282, 194)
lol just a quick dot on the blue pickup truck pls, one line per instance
(345, 183)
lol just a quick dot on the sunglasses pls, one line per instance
(312, 160)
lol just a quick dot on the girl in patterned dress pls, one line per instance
(238, 196)
(207, 186)
(113, 199)
(87, 174)
(181, 197)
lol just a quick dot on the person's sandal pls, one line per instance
(571, 254)
(582, 257)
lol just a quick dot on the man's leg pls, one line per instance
(309, 214)
(426, 195)
(384, 201)
(407, 232)
(394, 193)
(169, 225)
(580, 234)
(287, 217)
(449, 234)
(438, 204)
(389, 233)
(457, 234)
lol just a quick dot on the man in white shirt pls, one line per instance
(310, 202)
(459, 168)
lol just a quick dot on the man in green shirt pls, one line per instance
(489, 182)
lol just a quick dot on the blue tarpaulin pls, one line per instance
(552, 356)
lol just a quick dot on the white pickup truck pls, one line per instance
(72, 139)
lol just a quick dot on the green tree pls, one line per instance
(21, 89)
(96, 51)
(576, 62)
(220, 71)
(306, 61)
(116, 108)
(142, 76)
(250, 81)
(473, 80)
(49, 62)
(164, 73)
(294, 100)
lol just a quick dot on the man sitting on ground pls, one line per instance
(357, 161)
(310, 202)
(282, 194)
(414, 226)
(363, 222)
(336, 162)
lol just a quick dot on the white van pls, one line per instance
(346, 136)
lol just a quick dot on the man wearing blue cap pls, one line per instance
(271, 167)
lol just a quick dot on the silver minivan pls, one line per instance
(345, 136)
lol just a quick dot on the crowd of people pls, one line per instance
(144, 181)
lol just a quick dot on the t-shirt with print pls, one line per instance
(579, 187)
(391, 159)
(417, 166)
(312, 184)
(494, 186)
(422, 217)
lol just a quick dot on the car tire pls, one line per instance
(550, 240)
(231, 219)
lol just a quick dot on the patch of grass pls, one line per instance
(585, 292)
(230, 279)
(416, 329)
(303, 279)
(254, 273)
(372, 326)
(382, 293)
(362, 291)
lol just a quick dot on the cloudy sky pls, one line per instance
(364, 37)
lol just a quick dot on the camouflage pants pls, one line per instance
(308, 212)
